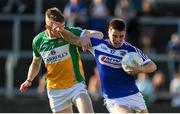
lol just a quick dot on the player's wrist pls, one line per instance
(28, 80)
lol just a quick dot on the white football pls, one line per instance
(131, 59)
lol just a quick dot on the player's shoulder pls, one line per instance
(129, 46)
(39, 37)
(125, 43)
(96, 41)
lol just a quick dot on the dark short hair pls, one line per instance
(55, 14)
(117, 24)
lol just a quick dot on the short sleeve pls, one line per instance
(34, 47)
(145, 58)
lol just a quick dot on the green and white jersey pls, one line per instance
(62, 59)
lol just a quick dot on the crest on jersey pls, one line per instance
(123, 52)
(53, 52)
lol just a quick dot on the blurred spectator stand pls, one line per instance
(99, 15)
(175, 90)
(76, 13)
(21, 7)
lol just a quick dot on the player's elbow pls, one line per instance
(149, 67)
(153, 67)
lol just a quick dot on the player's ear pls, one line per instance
(47, 27)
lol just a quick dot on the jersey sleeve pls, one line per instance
(132, 48)
(145, 58)
(36, 54)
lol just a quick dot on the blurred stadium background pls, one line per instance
(152, 24)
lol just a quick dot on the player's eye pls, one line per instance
(115, 36)
(121, 36)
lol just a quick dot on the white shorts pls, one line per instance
(134, 102)
(61, 99)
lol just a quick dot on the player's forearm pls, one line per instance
(149, 67)
(96, 34)
(71, 38)
(33, 71)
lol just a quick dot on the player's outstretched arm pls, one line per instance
(84, 41)
(32, 73)
(71, 38)
(94, 33)
(59, 30)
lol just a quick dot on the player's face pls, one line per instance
(116, 37)
(52, 24)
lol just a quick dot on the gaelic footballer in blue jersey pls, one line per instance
(118, 87)
(120, 93)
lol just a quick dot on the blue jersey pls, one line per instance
(115, 82)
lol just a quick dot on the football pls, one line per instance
(131, 59)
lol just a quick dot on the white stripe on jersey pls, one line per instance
(56, 54)
(105, 49)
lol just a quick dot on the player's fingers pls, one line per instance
(57, 26)
(84, 49)
(22, 88)
(89, 45)
(56, 29)
(25, 89)
(84, 46)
